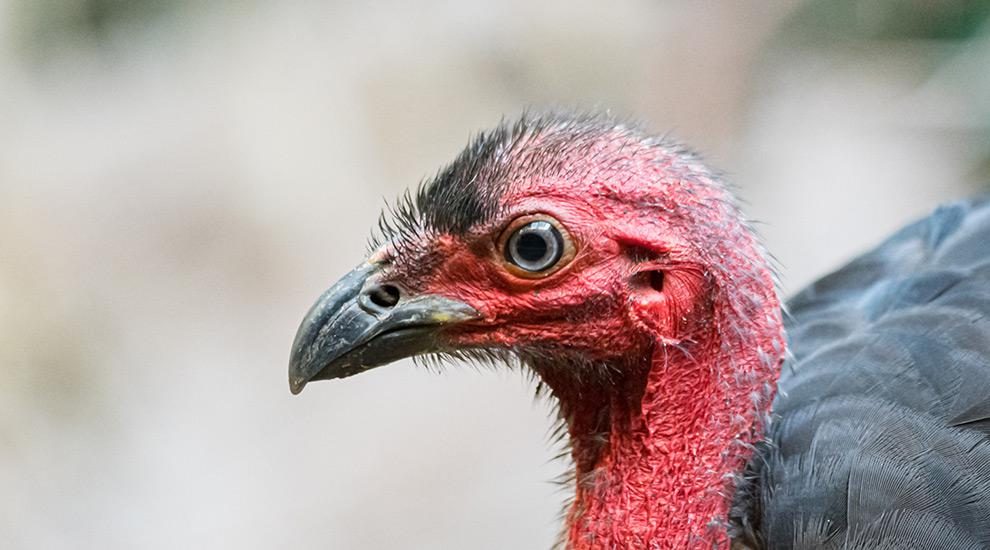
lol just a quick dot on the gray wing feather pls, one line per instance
(881, 430)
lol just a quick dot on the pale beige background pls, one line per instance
(178, 183)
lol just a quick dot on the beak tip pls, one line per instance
(296, 385)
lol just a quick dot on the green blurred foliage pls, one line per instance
(48, 26)
(891, 19)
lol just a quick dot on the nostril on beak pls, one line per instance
(383, 296)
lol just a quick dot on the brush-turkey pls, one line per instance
(618, 268)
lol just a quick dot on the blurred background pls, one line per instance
(179, 180)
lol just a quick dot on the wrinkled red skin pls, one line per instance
(696, 360)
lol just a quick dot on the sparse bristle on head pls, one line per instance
(467, 192)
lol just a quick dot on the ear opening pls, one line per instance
(649, 275)
(650, 278)
(656, 279)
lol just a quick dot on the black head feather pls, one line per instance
(468, 192)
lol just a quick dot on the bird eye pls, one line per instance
(535, 246)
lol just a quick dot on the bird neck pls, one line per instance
(657, 454)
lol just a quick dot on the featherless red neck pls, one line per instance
(657, 451)
(619, 269)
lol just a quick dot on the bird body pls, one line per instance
(881, 432)
(618, 268)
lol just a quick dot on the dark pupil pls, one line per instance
(531, 247)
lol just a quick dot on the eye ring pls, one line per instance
(535, 246)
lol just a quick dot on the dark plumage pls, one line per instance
(881, 430)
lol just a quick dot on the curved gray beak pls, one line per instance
(356, 326)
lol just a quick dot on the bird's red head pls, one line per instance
(618, 268)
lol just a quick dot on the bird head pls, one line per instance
(554, 240)
(617, 267)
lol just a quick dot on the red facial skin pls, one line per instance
(694, 362)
